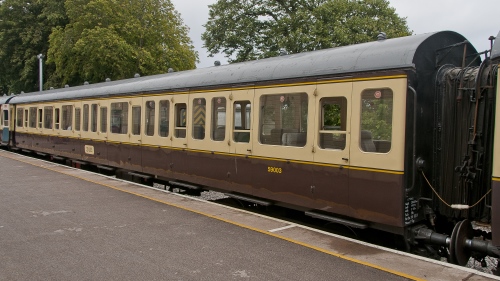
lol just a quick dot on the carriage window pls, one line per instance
(78, 117)
(242, 117)
(219, 119)
(333, 118)
(67, 117)
(48, 116)
(6, 118)
(93, 117)
(40, 118)
(199, 110)
(164, 118)
(26, 118)
(20, 119)
(376, 120)
(283, 119)
(33, 117)
(136, 120)
(119, 118)
(57, 120)
(104, 119)
(85, 117)
(180, 120)
(149, 114)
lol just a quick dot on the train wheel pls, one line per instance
(459, 252)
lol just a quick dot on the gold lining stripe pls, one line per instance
(495, 179)
(252, 157)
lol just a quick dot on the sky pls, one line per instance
(475, 19)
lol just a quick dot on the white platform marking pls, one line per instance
(282, 228)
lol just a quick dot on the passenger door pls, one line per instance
(332, 147)
(179, 164)
(376, 177)
(241, 124)
(5, 124)
(135, 135)
(241, 121)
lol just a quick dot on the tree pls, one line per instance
(252, 29)
(25, 27)
(116, 39)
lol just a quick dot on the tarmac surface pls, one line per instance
(60, 223)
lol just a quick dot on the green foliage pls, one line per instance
(332, 115)
(376, 117)
(25, 27)
(116, 39)
(252, 29)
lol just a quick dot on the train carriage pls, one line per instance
(5, 123)
(358, 135)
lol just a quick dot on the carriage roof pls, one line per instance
(387, 54)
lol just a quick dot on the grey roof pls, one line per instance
(386, 54)
(3, 99)
(495, 52)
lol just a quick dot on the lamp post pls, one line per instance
(40, 57)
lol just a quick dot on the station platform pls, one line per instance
(61, 223)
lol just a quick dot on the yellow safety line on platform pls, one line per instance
(231, 222)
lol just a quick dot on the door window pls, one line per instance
(376, 120)
(242, 118)
(333, 123)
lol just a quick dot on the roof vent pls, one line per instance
(217, 63)
(170, 70)
(137, 75)
(66, 86)
(108, 79)
(86, 83)
(381, 36)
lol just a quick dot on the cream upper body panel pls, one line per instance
(279, 122)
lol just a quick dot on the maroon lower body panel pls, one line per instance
(372, 196)
(495, 211)
(377, 196)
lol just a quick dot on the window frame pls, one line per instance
(218, 130)
(338, 134)
(119, 113)
(370, 137)
(20, 117)
(199, 116)
(163, 118)
(243, 133)
(274, 110)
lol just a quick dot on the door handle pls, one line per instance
(345, 159)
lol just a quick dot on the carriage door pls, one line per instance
(135, 134)
(331, 149)
(5, 123)
(241, 125)
(241, 122)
